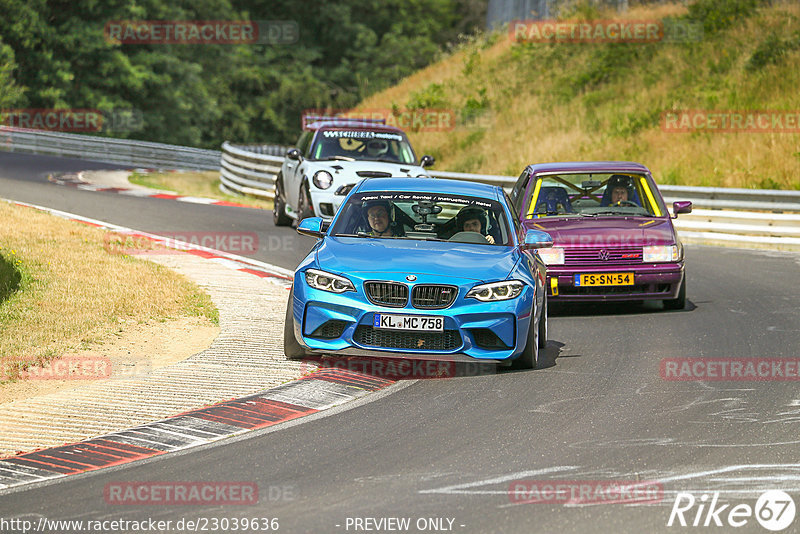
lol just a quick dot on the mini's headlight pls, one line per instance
(552, 256)
(660, 254)
(506, 290)
(323, 179)
(328, 281)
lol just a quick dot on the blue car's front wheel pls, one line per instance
(530, 356)
(291, 348)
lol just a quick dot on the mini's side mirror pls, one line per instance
(426, 161)
(537, 239)
(312, 227)
(294, 154)
(681, 206)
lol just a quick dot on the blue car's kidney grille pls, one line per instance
(389, 294)
(433, 297)
(602, 255)
(395, 339)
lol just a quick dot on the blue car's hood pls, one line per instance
(355, 255)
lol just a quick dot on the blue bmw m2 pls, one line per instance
(421, 268)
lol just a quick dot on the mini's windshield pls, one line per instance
(362, 145)
(591, 195)
(423, 216)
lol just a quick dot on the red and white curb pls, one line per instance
(76, 180)
(310, 394)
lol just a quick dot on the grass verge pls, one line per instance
(62, 290)
(518, 104)
(194, 184)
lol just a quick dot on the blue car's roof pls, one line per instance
(431, 185)
(589, 166)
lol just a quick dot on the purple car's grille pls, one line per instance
(389, 294)
(433, 297)
(603, 256)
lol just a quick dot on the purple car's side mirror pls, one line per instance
(681, 206)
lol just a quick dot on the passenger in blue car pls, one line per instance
(473, 219)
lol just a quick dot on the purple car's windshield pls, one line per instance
(595, 195)
(368, 145)
(423, 216)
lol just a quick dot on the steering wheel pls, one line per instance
(627, 203)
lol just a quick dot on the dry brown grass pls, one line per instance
(195, 184)
(534, 115)
(73, 293)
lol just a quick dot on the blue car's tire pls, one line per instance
(543, 325)
(291, 348)
(530, 356)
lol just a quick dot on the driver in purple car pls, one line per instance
(621, 191)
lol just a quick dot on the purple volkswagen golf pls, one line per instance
(613, 237)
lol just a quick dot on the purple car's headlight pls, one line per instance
(551, 256)
(328, 281)
(660, 254)
(495, 291)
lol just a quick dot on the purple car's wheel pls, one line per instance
(678, 303)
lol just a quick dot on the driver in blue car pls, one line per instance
(378, 219)
(473, 219)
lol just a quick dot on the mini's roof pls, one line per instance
(431, 185)
(589, 167)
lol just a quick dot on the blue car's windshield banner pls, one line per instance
(416, 197)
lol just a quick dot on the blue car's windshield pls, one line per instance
(423, 216)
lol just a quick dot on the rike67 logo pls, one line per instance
(774, 510)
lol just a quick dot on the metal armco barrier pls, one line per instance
(249, 169)
(745, 217)
(128, 152)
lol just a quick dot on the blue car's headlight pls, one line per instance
(506, 290)
(328, 281)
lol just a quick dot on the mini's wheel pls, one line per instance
(279, 217)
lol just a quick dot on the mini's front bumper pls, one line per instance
(650, 282)
(465, 325)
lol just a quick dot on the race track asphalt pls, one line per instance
(452, 448)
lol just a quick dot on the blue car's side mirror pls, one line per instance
(537, 239)
(311, 227)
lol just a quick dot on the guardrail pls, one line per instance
(749, 217)
(249, 169)
(129, 152)
(744, 217)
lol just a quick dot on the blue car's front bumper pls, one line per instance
(342, 324)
